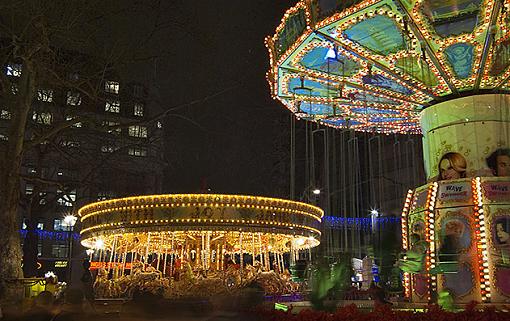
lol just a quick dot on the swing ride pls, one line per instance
(436, 68)
(227, 241)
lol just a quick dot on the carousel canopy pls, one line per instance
(375, 65)
(135, 223)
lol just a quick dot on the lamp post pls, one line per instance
(70, 221)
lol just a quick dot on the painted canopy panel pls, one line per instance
(389, 59)
(386, 83)
(327, 60)
(379, 34)
(460, 57)
(452, 17)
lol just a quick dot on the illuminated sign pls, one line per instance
(106, 265)
(60, 264)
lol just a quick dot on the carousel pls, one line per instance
(197, 244)
(439, 69)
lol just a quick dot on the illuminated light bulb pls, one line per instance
(99, 244)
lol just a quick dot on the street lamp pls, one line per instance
(70, 221)
(316, 191)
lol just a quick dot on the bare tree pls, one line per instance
(70, 46)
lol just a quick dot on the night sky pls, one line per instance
(237, 140)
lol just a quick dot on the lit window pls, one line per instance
(73, 99)
(115, 129)
(40, 226)
(138, 151)
(59, 250)
(29, 189)
(113, 106)
(14, 70)
(45, 95)
(66, 199)
(44, 118)
(101, 196)
(58, 224)
(111, 87)
(138, 131)
(77, 124)
(5, 114)
(107, 149)
(42, 198)
(138, 110)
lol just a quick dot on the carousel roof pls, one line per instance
(278, 221)
(375, 65)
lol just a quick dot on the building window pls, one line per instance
(40, 226)
(111, 87)
(14, 70)
(138, 131)
(138, 151)
(57, 224)
(108, 148)
(73, 99)
(102, 196)
(138, 109)
(45, 95)
(67, 199)
(44, 118)
(59, 250)
(5, 114)
(114, 127)
(75, 125)
(29, 189)
(113, 106)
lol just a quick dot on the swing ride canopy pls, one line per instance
(162, 221)
(375, 65)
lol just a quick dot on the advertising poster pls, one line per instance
(454, 193)
(417, 242)
(456, 254)
(496, 190)
(419, 200)
(498, 221)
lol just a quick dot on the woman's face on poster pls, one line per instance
(503, 165)
(503, 236)
(447, 170)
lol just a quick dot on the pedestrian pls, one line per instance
(87, 281)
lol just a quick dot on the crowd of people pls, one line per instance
(45, 307)
(74, 306)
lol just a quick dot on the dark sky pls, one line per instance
(236, 141)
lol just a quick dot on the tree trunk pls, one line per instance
(10, 246)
